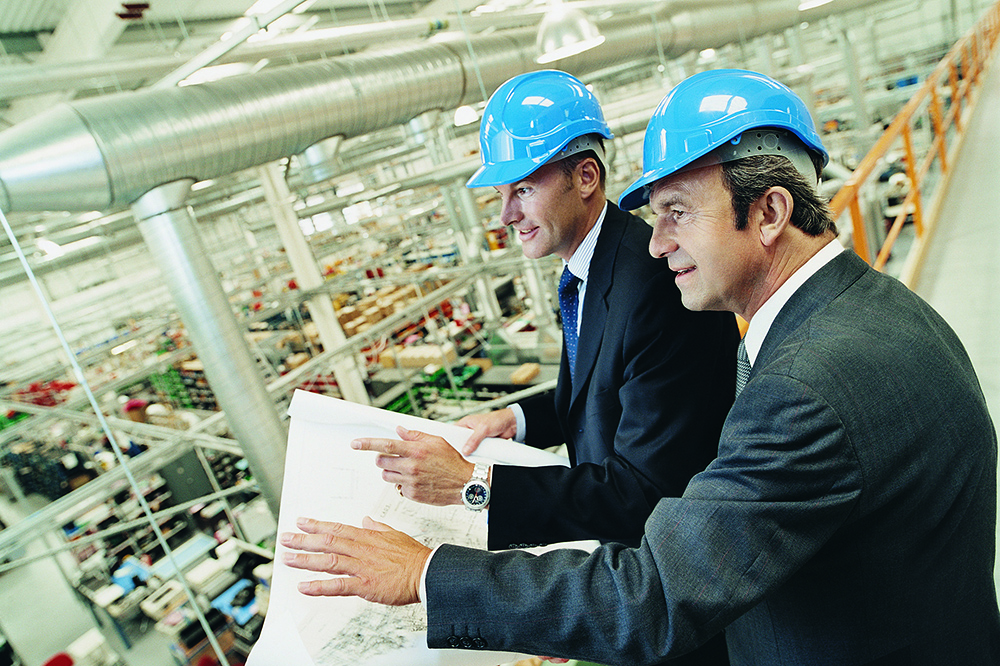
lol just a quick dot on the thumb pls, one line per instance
(370, 524)
(475, 439)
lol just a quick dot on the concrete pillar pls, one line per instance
(862, 115)
(308, 275)
(427, 129)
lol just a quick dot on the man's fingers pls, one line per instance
(325, 562)
(475, 439)
(393, 447)
(334, 587)
(393, 465)
(313, 526)
(415, 435)
(323, 537)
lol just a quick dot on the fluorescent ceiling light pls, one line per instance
(812, 4)
(50, 248)
(82, 243)
(123, 347)
(262, 7)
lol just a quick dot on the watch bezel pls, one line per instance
(478, 482)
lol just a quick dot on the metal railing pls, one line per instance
(945, 101)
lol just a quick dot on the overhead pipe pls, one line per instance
(106, 152)
(23, 79)
(232, 372)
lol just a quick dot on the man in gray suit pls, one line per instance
(850, 515)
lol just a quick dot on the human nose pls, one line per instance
(510, 211)
(662, 242)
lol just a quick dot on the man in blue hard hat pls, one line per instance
(850, 515)
(644, 384)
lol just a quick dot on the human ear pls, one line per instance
(589, 174)
(773, 210)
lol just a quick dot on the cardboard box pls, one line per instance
(418, 356)
(483, 363)
(525, 373)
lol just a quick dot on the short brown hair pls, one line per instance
(568, 164)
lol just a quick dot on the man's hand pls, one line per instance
(380, 564)
(426, 468)
(501, 423)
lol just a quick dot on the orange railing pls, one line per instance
(952, 84)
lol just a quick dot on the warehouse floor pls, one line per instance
(41, 614)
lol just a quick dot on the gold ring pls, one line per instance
(399, 489)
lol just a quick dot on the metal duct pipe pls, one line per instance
(21, 80)
(167, 225)
(108, 151)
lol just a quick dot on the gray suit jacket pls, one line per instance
(849, 518)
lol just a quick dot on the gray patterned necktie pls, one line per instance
(742, 367)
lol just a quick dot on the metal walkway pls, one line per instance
(960, 277)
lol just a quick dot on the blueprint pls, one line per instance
(326, 479)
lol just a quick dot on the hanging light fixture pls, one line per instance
(564, 32)
(465, 115)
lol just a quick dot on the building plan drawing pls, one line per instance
(325, 479)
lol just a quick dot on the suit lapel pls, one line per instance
(816, 293)
(595, 302)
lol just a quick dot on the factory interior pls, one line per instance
(209, 206)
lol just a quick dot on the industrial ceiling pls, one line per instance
(65, 61)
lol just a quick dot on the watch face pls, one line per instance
(477, 494)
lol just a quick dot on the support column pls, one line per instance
(307, 273)
(487, 295)
(168, 227)
(862, 115)
(765, 53)
(793, 37)
(426, 129)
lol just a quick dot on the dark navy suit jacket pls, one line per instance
(654, 382)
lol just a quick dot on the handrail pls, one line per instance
(958, 74)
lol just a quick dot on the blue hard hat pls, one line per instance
(530, 120)
(709, 110)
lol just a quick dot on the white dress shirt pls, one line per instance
(761, 322)
(579, 266)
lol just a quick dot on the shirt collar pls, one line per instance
(761, 322)
(579, 263)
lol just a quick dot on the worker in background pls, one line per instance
(850, 515)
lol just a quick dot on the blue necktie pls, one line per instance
(742, 367)
(568, 305)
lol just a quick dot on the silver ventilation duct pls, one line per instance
(106, 152)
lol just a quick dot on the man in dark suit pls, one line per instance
(850, 515)
(642, 405)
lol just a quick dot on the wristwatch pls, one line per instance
(476, 493)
